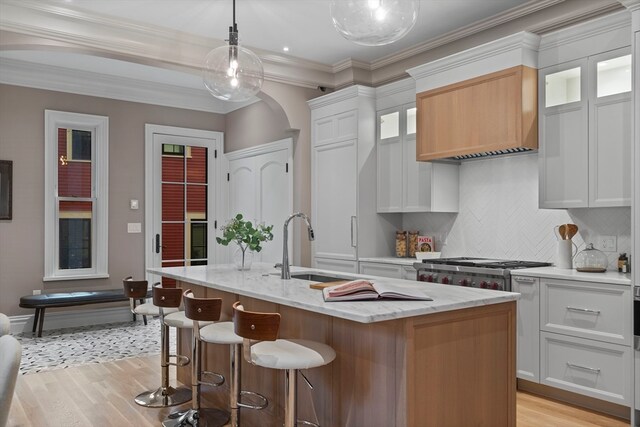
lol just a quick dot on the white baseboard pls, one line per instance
(70, 319)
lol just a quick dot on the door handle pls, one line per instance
(157, 243)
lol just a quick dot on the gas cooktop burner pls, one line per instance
(486, 262)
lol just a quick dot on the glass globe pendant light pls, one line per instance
(233, 73)
(374, 22)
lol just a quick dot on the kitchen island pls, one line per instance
(450, 361)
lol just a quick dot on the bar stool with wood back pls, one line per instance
(136, 290)
(165, 303)
(261, 347)
(222, 333)
(199, 315)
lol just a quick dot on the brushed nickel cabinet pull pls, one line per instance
(583, 310)
(586, 368)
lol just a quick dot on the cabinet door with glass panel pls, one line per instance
(402, 181)
(585, 132)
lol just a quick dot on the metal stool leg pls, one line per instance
(197, 416)
(235, 391)
(166, 395)
(290, 386)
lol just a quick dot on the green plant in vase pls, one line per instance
(246, 236)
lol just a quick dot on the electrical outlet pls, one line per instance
(37, 291)
(608, 243)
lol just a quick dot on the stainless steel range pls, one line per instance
(472, 272)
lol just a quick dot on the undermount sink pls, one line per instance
(315, 277)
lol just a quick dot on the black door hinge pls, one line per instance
(215, 154)
(286, 168)
(215, 224)
(227, 176)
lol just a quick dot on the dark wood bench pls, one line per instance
(69, 299)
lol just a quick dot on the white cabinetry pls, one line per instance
(575, 335)
(343, 179)
(528, 327)
(403, 183)
(393, 271)
(388, 267)
(585, 118)
(588, 367)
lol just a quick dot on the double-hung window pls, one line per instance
(76, 196)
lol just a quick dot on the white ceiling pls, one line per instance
(303, 25)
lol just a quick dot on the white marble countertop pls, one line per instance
(610, 277)
(390, 260)
(263, 282)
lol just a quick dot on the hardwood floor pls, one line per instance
(101, 395)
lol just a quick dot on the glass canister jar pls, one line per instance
(401, 243)
(413, 243)
(591, 260)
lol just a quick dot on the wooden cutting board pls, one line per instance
(327, 284)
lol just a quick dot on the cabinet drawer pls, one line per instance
(342, 265)
(591, 368)
(381, 269)
(588, 310)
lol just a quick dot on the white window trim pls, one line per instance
(99, 125)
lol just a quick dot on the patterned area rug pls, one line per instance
(62, 348)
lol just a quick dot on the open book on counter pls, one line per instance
(358, 290)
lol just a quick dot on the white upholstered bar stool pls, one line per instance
(261, 347)
(199, 313)
(222, 333)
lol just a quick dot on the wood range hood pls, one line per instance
(480, 102)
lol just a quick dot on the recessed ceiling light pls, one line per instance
(285, 48)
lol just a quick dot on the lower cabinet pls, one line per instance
(381, 269)
(637, 380)
(588, 367)
(345, 266)
(528, 327)
(576, 336)
(385, 269)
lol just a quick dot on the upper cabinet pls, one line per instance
(585, 117)
(403, 183)
(493, 112)
(482, 101)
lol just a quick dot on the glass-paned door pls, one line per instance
(183, 202)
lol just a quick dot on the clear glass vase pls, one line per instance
(242, 259)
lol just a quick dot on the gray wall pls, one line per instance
(22, 140)
(253, 125)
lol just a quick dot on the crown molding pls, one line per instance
(592, 28)
(631, 4)
(342, 95)
(400, 86)
(522, 45)
(509, 15)
(47, 77)
(99, 34)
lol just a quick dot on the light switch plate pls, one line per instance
(134, 227)
(133, 203)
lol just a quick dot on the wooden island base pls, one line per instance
(453, 368)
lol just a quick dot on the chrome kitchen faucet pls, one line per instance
(286, 273)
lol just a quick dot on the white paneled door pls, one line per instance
(261, 189)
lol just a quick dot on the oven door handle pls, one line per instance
(583, 310)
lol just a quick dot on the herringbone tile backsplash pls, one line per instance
(499, 216)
